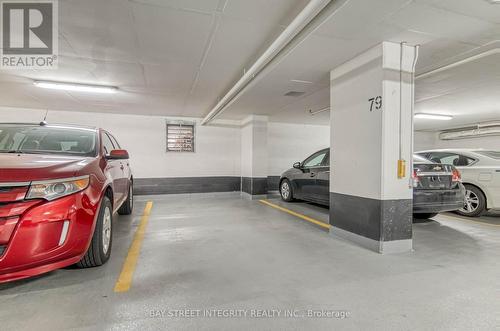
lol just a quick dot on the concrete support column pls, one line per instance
(254, 155)
(371, 148)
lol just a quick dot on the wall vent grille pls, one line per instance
(180, 137)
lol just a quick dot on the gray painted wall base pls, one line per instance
(382, 247)
(273, 183)
(211, 195)
(177, 185)
(182, 185)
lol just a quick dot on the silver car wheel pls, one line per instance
(285, 190)
(471, 202)
(106, 230)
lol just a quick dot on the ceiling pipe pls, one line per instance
(471, 133)
(459, 63)
(330, 10)
(314, 112)
(483, 129)
(310, 11)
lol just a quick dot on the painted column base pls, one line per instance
(382, 247)
(384, 226)
(248, 196)
(254, 185)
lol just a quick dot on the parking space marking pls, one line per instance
(291, 212)
(468, 220)
(124, 281)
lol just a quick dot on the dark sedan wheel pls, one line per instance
(286, 190)
(475, 202)
(128, 205)
(100, 246)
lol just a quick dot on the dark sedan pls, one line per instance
(437, 187)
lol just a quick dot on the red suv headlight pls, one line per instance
(54, 189)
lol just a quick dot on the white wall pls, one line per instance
(217, 148)
(289, 143)
(424, 140)
(246, 145)
(430, 140)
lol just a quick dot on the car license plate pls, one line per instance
(437, 185)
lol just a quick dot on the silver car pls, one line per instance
(480, 174)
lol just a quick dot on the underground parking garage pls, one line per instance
(223, 164)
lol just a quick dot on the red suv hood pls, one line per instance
(30, 167)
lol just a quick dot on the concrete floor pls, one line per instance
(223, 252)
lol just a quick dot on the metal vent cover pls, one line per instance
(294, 93)
(180, 136)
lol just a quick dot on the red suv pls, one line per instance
(59, 188)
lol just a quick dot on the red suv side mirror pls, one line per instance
(117, 154)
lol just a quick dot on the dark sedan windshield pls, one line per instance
(35, 139)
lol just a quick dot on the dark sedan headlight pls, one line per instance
(54, 189)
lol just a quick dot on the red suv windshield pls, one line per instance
(35, 139)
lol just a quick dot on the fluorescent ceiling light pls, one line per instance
(76, 87)
(433, 117)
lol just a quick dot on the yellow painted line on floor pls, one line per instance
(125, 280)
(468, 220)
(291, 212)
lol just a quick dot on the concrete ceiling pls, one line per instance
(446, 30)
(168, 57)
(177, 57)
(469, 91)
